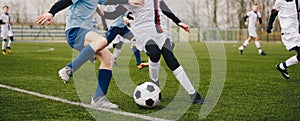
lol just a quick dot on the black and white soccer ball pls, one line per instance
(147, 95)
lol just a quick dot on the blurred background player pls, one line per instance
(153, 37)
(81, 36)
(114, 16)
(254, 20)
(288, 12)
(6, 30)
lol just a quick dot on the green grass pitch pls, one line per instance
(253, 89)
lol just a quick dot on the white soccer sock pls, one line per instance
(3, 45)
(246, 43)
(116, 53)
(258, 47)
(9, 43)
(109, 46)
(184, 80)
(292, 61)
(154, 70)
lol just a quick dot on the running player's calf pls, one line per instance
(11, 39)
(3, 47)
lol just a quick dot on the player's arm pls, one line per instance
(47, 18)
(2, 22)
(245, 20)
(167, 11)
(260, 20)
(120, 10)
(101, 13)
(274, 14)
(135, 3)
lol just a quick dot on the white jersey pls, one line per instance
(149, 17)
(287, 16)
(5, 18)
(149, 24)
(253, 18)
(289, 24)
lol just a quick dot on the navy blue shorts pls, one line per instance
(76, 37)
(114, 31)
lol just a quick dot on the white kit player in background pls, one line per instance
(6, 30)
(288, 13)
(254, 20)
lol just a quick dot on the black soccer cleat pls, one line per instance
(263, 53)
(284, 73)
(241, 52)
(197, 99)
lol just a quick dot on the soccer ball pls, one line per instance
(147, 95)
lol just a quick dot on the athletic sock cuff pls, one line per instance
(284, 65)
(179, 69)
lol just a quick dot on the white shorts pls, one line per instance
(291, 40)
(252, 32)
(142, 38)
(6, 34)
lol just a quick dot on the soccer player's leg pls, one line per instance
(117, 51)
(85, 41)
(154, 54)
(104, 76)
(245, 44)
(111, 35)
(137, 54)
(282, 67)
(178, 71)
(4, 35)
(11, 39)
(129, 35)
(3, 46)
(257, 43)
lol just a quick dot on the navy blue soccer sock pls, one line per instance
(104, 77)
(137, 55)
(86, 54)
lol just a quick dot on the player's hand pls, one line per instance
(126, 20)
(45, 19)
(269, 29)
(101, 11)
(136, 3)
(185, 27)
(246, 23)
(257, 23)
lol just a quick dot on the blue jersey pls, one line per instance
(119, 22)
(81, 13)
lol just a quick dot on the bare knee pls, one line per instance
(96, 41)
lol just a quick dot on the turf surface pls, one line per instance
(253, 90)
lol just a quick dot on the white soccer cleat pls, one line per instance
(103, 102)
(65, 74)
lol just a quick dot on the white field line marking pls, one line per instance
(83, 105)
(46, 50)
(39, 51)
